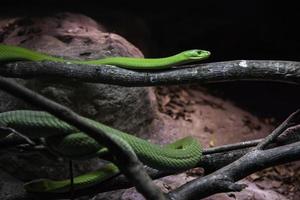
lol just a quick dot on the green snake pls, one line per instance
(14, 53)
(68, 142)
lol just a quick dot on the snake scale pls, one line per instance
(68, 142)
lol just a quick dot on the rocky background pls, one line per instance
(216, 114)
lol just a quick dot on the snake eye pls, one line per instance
(196, 53)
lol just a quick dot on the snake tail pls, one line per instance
(80, 182)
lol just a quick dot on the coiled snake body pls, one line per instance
(69, 142)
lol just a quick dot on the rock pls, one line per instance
(251, 192)
(9, 186)
(79, 37)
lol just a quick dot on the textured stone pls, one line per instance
(9, 186)
(73, 36)
(251, 192)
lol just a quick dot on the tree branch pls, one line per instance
(266, 70)
(10, 131)
(290, 121)
(223, 180)
(246, 165)
(125, 160)
(230, 147)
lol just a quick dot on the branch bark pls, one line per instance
(223, 180)
(293, 119)
(125, 160)
(246, 165)
(266, 70)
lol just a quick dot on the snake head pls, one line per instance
(196, 54)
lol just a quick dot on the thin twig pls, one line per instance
(71, 180)
(292, 134)
(10, 131)
(230, 147)
(126, 160)
(10, 142)
(290, 121)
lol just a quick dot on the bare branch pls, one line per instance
(285, 71)
(290, 121)
(230, 147)
(10, 131)
(292, 134)
(246, 165)
(126, 160)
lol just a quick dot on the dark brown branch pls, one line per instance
(266, 70)
(292, 134)
(230, 147)
(293, 119)
(224, 179)
(10, 142)
(8, 131)
(125, 160)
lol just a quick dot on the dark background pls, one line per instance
(229, 29)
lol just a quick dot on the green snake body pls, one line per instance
(80, 182)
(69, 142)
(13, 53)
